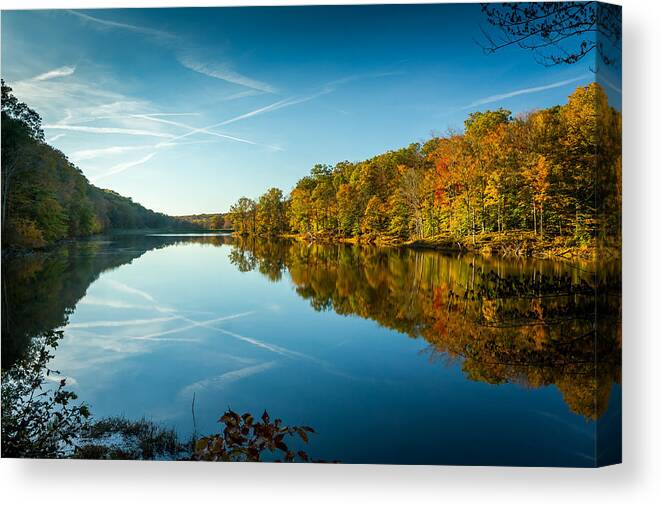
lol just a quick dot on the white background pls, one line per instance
(636, 482)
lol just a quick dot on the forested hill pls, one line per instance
(46, 198)
(208, 221)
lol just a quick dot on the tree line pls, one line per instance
(46, 198)
(549, 173)
(208, 221)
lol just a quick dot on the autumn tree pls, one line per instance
(554, 172)
(271, 213)
(243, 215)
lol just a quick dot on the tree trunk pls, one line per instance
(6, 179)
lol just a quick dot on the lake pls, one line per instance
(393, 355)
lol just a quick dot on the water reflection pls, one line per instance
(535, 323)
(40, 290)
(262, 325)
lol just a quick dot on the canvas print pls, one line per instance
(382, 234)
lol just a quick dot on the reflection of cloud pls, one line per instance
(226, 378)
(208, 324)
(204, 324)
(92, 301)
(119, 323)
(268, 346)
(111, 303)
(582, 429)
(131, 290)
(193, 325)
(120, 343)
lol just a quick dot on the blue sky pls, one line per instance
(186, 110)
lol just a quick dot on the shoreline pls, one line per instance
(506, 245)
(19, 250)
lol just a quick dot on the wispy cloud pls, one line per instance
(109, 130)
(222, 71)
(170, 114)
(610, 84)
(191, 129)
(53, 96)
(523, 91)
(190, 58)
(51, 74)
(59, 378)
(55, 138)
(160, 118)
(113, 110)
(81, 155)
(241, 94)
(332, 85)
(110, 151)
(326, 89)
(271, 107)
(120, 168)
(283, 103)
(125, 115)
(105, 23)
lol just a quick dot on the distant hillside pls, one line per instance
(45, 198)
(211, 221)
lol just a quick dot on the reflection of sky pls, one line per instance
(182, 320)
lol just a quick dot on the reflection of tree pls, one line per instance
(248, 250)
(531, 324)
(38, 420)
(40, 290)
(544, 338)
(534, 324)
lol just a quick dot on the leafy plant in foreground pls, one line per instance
(38, 420)
(244, 439)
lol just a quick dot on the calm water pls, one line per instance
(385, 352)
